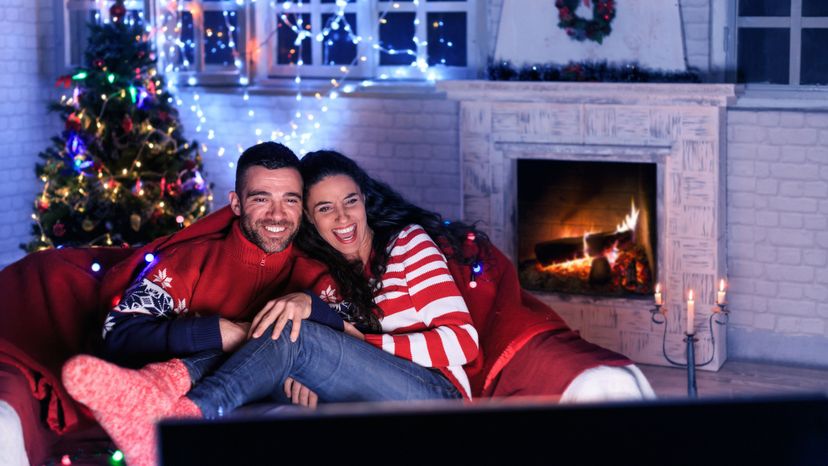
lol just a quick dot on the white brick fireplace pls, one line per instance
(678, 127)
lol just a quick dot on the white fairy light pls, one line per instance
(175, 46)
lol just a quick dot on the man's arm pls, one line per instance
(145, 324)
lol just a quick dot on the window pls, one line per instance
(79, 13)
(318, 38)
(385, 39)
(782, 42)
(225, 41)
(203, 40)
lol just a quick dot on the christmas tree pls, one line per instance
(121, 173)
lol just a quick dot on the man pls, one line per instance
(219, 284)
(197, 297)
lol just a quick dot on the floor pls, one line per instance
(738, 379)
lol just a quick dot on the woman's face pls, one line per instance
(336, 207)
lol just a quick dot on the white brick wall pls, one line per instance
(26, 79)
(777, 244)
(407, 141)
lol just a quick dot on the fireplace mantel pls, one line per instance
(679, 127)
(717, 95)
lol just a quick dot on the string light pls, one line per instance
(174, 42)
(477, 268)
(175, 48)
(96, 267)
(149, 257)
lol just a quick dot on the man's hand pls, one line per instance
(300, 394)
(294, 306)
(233, 334)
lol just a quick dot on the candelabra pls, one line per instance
(719, 316)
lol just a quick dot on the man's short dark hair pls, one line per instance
(270, 155)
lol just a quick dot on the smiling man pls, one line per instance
(269, 206)
(200, 296)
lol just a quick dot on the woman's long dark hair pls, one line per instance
(388, 214)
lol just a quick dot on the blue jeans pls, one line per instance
(335, 366)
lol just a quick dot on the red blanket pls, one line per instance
(507, 319)
(53, 307)
(54, 304)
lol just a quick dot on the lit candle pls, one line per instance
(720, 298)
(658, 298)
(691, 313)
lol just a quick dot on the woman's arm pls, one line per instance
(438, 330)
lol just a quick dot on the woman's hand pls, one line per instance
(300, 394)
(352, 331)
(294, 306)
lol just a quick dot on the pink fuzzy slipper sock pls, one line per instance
(128, 402)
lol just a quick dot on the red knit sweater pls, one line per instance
(173, 307)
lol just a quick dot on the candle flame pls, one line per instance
(722, 285)
(658, 288)
(690, 295)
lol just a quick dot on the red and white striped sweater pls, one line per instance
(425, 319)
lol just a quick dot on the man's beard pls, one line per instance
(250, 230)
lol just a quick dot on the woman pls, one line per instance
(400, 299)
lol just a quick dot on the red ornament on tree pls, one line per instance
(65, 81)
(126, 124)
(59, 229)
(98, 63)
(73, 122)
(42, 205)
(173, 189)
(117, 11)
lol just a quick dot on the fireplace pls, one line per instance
(672, 137)
(587, 227)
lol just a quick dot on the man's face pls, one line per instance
(269, 206)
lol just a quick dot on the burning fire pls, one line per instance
(630, 220)
(582, 265)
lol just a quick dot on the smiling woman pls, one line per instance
(336, 207)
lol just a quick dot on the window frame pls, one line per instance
(315, 9)
(794, 23)
(200, 71)
(257, 49)
(368, 13)
(71, 44)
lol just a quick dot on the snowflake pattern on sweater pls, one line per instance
(149, 298)
(342, 308)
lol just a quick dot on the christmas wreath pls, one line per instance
(603, 12)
